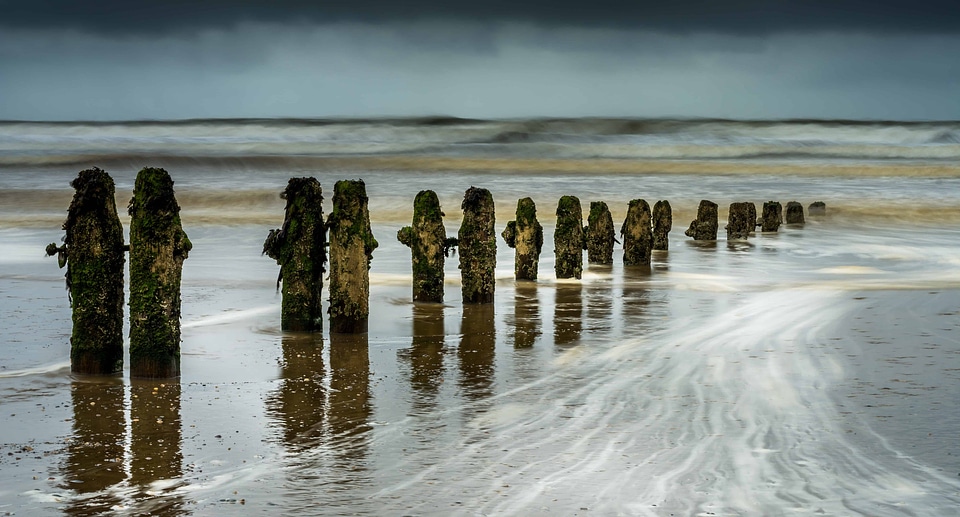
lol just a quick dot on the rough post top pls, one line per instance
(426, 207)
(95, 195)
(642, 203)
(153, 191)
(526, 211)
(477, 199)
(708, 203)
(307, 187)
(568, 205)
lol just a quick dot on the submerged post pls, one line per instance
(817, 208)
(428, 243)
(478, 246)
(741, 220)
(704, 227)
(525, 234)
(93, 252)
(351, 250)
(600, 234)
(772, 217)
(662, 224)
(794, 213)
(299, 247)
(568, 238)
(637, 234)
(158, 247)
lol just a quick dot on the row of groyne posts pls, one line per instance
(93, 252)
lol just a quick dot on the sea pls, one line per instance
(810, 371)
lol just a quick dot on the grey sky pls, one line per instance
(746, 59)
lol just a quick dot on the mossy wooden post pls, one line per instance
(817, 208)
(662, 224)
(478, 246)
(794, 213)
(351, 250)
(704, 227)
(158, 247)
(93, 252)
(525, 234)
(637, 234)
(772, 217)
(741, 220)
(428, 243)
(600, 234)
(299, 247)
(568, 238)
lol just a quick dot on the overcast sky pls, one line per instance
(146, 59)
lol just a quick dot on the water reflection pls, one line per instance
(350, 405)
(636, 300)
(599, 308)
(426, 355)
(156, 463)
(299, 402)
(478, 339)
(525, 326)
(95, 453)
(568, 313)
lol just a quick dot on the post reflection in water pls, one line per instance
(599, 308)
(94, 460)
(568, 314)
(636, 300)
(349, 405)
(525, 326)
(426, 356)
(478, 341)
(156, 464)
(298, 403)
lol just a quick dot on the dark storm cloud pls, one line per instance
(732, 16)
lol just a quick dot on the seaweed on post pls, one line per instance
(772, 217)
(637, 234)
(525, 234)
(662, 224)
(600, 234)
(478, 246)
(704, 227)
(351, 250)
(427, 240)
(568, 239)
(741, 220)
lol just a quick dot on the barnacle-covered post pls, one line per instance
(600, 234)
(351, 250)
(93, 252)
(794, 213)
(741, 220)
(158, 247)
(637, 234)
(525, 234)
(478, 246)
(299, 247)
(662, 224)
(772, 216)
(428, 243)
(568, 238)
(704, 227)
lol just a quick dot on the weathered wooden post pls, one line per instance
(568, 239)
(741, 220)
(637, 234)
(428, 243)
(817, 208)
(704, 227)
(600, 234)
(158, 247)
(794, 213)
(300, 248)
(772, 217)
(93, 252)
(525, 234)
(478, 246)
(662, 224)
(351, 250)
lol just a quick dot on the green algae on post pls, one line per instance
(704, 227)
(600, 234)
(428, 243)
(93, 252)
(351, 250)
(662, 224)
(568, 238)
(299, 247)
(794, 213)
(525, 234)
(637, 234)
(158, 247)
(478, 246)
(772, 217)
(741, 220)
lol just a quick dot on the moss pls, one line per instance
(637, 235)
(478, 246)
(704, 227)
(427, 242)
(599, 234)
(351, 250)
(568, 239)
(662, 224)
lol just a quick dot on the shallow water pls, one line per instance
(811, 371)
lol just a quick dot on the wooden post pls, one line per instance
(158, 247)
(300, 248)
(428, 243)
(637, 234)
(93, 252)
(600, 234)
(478, 246)
(662, 224)
(704, 227)
(794, 213)
(741, 220)
(351, 250)
(772, 217)
(817, 208)
(568, 238)
(525, 234)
